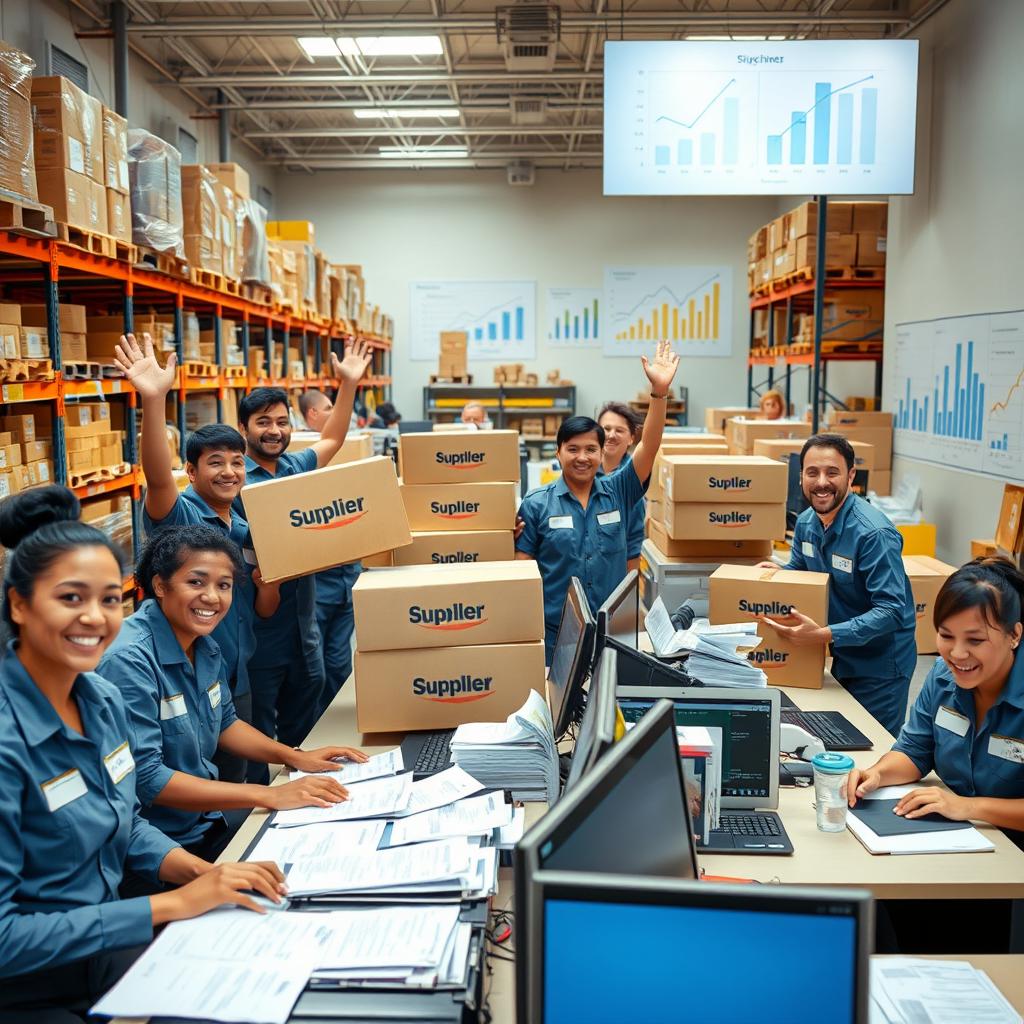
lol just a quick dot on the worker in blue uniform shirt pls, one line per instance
(579, 525)
(69, 814)
(622, 427)
(215, 464)
(170, 673)
(871, 618)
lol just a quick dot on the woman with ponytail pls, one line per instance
(69, 816)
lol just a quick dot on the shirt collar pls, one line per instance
(206, 510)
(838, 524)
(168, 650)
(626, 460)
(1013, 692)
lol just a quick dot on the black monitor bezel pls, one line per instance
(572, 699)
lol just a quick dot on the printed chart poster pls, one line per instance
(958, 393)
(689, 306)
(574, 317)
(499, 317)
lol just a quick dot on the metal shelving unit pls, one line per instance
(505, 402)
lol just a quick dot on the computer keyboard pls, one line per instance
(830, 727)
(435, 755)
(751, 824)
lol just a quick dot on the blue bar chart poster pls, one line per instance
(690, 306)
(573, 317)
(760, 118)
(957, 393)
(500, 317)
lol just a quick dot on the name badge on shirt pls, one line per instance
(1006, 747)
(214, 694)
(173, 707)
(952, 721)
(560, 523)
(807, 548)
(119, 763)
(608, 518)
(842, 564)
(249, 556)
(63, 789)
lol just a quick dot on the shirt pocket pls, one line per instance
(611, 537)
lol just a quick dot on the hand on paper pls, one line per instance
(933, 800)
(309, 791)
(325, 759)
(141, 368)
(225, 883)
(861, 782)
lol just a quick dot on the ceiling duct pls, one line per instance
(529, 35)
(529, 110)
(520, 172)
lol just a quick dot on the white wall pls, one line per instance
(955, 246)
(402, 226)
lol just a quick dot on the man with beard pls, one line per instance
(870, 606)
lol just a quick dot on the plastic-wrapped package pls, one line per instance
(226, 203)
(17, 165)
(204, 241)
(154, 171)
(251, 222)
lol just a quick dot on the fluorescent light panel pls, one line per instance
(736, 38)
(419, 152)
(318, 46)
(390, 46)
(377, 112)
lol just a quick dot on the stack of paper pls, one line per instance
(518, 754)
(379, 765)
(913, 991)
(475, 816)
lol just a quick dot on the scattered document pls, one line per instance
(286, 845)
(389, 763)
(374, 799)
(475, 816)
(442, 788)
(510, 834)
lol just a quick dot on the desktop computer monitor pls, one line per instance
(620, 614)
(415, 426)
(628, 815)
(610, 949)
(597, 728)
(749, 719)
(570, 662)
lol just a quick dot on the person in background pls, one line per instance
(215, 465)
(579, 524)
(315, 407)
(772, 405)
(871, 618)
(622, 427)
(169, 670)
(70, 825)
(475, 414)
(385, 417)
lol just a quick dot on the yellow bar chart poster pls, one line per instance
(691, 306)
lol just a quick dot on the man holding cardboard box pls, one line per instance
(871, 607)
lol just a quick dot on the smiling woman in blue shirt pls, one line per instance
(622, 427)
(69, 815)
(580, 524)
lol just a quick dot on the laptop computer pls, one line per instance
(833, 728)
(749, 720)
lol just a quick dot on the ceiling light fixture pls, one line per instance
(376, 112)
(390, 46)
(318, 46)
(420, 152)
(736, 38)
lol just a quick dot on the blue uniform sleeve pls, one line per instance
(228, 715)
(917, 737)
(181, 514)
(885, 578)
(305, 460)
(635, 534)
(627, 486)
(133, 676)
(529, 539)
(796, 551)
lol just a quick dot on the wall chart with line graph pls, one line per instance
(499, 317)
(691, 306)
(958, 393)
(752, 118)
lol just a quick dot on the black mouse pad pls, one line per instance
(878, 816)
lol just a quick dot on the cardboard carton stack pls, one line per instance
(926, 577)
(17, 167)
(874, 428)
(72, 323)
(437, 646)
(716, 417)
(870, 224)
(739, 593)
(452, 359)
(115, 176)
(203, 224)
(26, 452)
(154, 175)
(104, 332)
(781, 448)
(459, 494)
(113, 516)
(92, 443)
(741, 433)
(688, 444)
(355, 447)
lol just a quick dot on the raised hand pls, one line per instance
(358, 356)
(662, 369)
(141, 368)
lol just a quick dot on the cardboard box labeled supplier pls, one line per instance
(354, 448)
(442, 688)
(480, 456)
(458, 507)
(1009, 534)
(446, 548)
(715, 418)
(723, 478)
(724, 521)
(742, 433)
(409, 607)
(739, 593)
(926, 577)
(780, 448)
(730, 551)
(316, 520)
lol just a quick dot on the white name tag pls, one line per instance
(1006, 747)
(807, 548)
(842, 564)
(560, 523)
(172, 707)
(63, 789)
(214, 694)
(119, 763)
(952, 721)
(608, 518)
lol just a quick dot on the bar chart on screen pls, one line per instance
(959, 392)
(574, 317)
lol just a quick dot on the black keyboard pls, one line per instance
(752, 824)
(831, 727)
(435, 755)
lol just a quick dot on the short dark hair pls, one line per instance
(213, 437)
(574, 426)
(306, 399)
(259, 399)
(388, 413)
(166, 550)
(837, 441)
(993, 584)
(631, 416)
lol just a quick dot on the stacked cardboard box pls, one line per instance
(283, 275)
(716, 417)
(201, 216)
(303, 260)
(780, 448)
(26, 452)
(452, 361)
(440, 645)
(154, 175)
(91, 441)
(874, 428)
(21, 340)
(113, 516)
(10, 331)
(115, 176)
(740, 593)
(694, 444)
(926, 577)
(870, 223)
(17, 167)
(355, 447)
(459, 494)
(72, 322)
(740, 433)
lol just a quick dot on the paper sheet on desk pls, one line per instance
(387, 937)
(286, 845)
(379, 765)
(477, 815)
(701, 637)
(438, 790)
(374, 799)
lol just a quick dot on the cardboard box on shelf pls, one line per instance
(804, 219)
(840, 250)
(730, 551)
(871, 249)
(326, 517)
(119, 216)
(10, 455)
(72, 347)
(723, 521)
(480, 456)
(460, 507)
(984, 548)
(880, 439)
(412, 607)
(742, 433)
(235, 177)
(70, 195)
(552, 424)
(853, 314)
(39, 473)
(33, 451)
(10, 325)
(870, 217)
(70, 317)
(17, 167)
(1009, 532)
(451, 547)
(68, 127)
(710, 478)
(292, 230)
(115, 152)
(444, 687)
(532, 426)
(22, 426)
(741, 593)
(926, 577)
